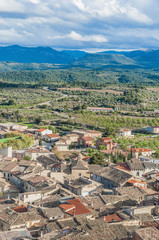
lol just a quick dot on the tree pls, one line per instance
(98, 158)
(109, 131)
(40, 142)
(27, 158)
(38, 120)
(11, 102)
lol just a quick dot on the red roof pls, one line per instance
(139, 150)
(88, 139)
(74, 207)
(41, 130)
(20, 209)
(123, 166)
(85, 158)
(53, 135)
(113, 218)
(106, 139)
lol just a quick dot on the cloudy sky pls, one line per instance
(80, 24)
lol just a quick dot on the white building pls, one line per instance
(125, 133)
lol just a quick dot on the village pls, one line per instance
(56, 189)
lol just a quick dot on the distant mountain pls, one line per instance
(41, 58)
(148, 58)
(144, 58)
(122, 59)
(34, 55)
(75, 53)
(103, 59)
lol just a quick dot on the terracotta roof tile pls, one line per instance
(77, 207)
(40, 130)
(113, 218)
(53, 135)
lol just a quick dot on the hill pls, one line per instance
(34, 55)
(103, 60)
(75, 53)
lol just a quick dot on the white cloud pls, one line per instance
(9, 35)
(11, 6)
(87, 38)
(80, 23)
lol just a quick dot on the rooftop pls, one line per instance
(40, 130)
(138, 150)
(53, 135)
(74, 207)
(148, 233)
(113, 218)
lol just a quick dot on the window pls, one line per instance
(138, 174)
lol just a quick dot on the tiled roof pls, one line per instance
(115, 175)
(40, 130)
(10, 167)
(113, 218)
(135, 164)
(53, 135)
(148, 233)
(88, 138)
(139, 150)
(106, 139)
(36, 180)
(74, 207)
(80, 166)
(20, 209)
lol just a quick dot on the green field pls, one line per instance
(5, 140)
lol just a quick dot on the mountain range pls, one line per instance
(74, 58)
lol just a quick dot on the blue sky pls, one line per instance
(80, 24)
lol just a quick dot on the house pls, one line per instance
(7, 189)
(36, 183)
(87, 133)
(34, 153)
(86, 142)
(97, 109)
(30, 197)
(81, 186)
(112, 218)
(52, 213)
(137, 183)
(50, 163)
(7, 171)
(136, 167)
(61, 146)
(12, 126)
(148, 159)
(15, 234)
(140, 151)
(146, 233)
(139, 168)
(133, 192)
(6, 152)
(94, 134)
(125, 133)
(51, 137)
(43, 131)
(80, 168)
(11, 219)
(111, 177)
(74, 207)
(19, 154)
(152, 130)
(105, 141)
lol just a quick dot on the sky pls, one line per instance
(80, 24)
